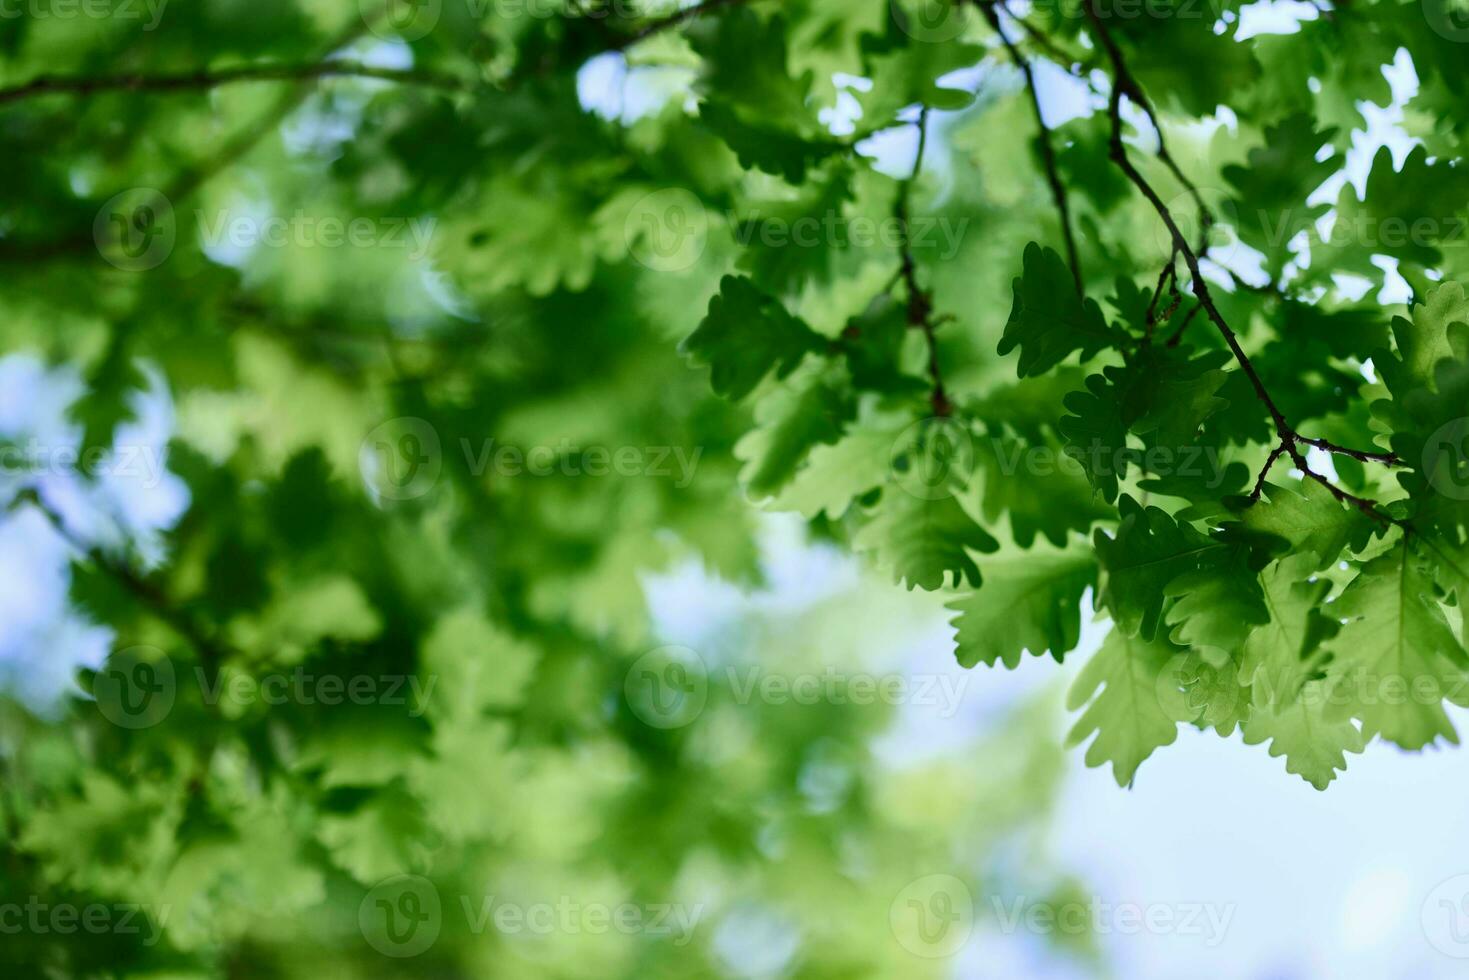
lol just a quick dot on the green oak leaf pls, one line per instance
(1096, 435)
(837, 473)
(1149, 551)
(790, 423)
(1431, 436)
(1174, 394)
(1396, 658)
(758, 144)
(1218, 603)
(1314, 748)
(905, 71)
(925, 540)
(1119, 686)
(1280, 656)
(1423, 340)
(1033, 479)
(1274, 181)
(1030, 601)
(747, 335)
(1304, 517)
(1048, 321)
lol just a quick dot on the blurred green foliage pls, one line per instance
(423, 285)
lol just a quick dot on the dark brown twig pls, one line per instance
(1124, 83)
(1043, 139)
(82, 86)
(1366, 506)
(199, 80)
(920, 301)
(1387, 459)
(186, 182)
(671, 21)
(1187, 319)
(1275, 454)
(211, 654)
(1039, 38)
(1169, 275)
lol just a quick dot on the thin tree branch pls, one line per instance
(1042, 41)
(1124, 83)
(1168, 276)
(186, 182)
(671, 21)
(1275, 454)
(197, 80)
(1048, 155)
(1200, 285)
(1187, 319)
(1072, 64)
(1366, 506)
(82, 86)
(1387, 459)
(211, 653)
(1288, 447)
(189, 181)
(920, 302)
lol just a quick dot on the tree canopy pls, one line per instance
(467, 317)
